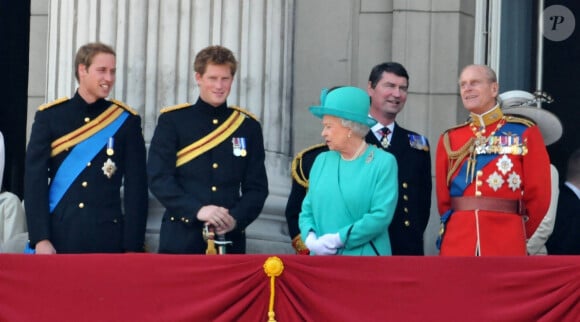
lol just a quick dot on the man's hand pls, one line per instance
(219, 217)
(44, 247)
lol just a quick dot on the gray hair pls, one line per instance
(358, 128)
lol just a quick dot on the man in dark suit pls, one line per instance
(565, 239)
(300, 169)
(206, 163)
(388, 87)
(81, 152)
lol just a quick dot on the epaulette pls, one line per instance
(174, 107)
(124, 106)
(457, 126)
(296, 167)
(248, 113)
(519, 119)
(53, 103)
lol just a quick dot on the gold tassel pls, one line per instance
(210, 250)
(273, 267)
(209, 237)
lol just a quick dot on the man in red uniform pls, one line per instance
(490, 175)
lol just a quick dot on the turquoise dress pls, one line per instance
(355, 198)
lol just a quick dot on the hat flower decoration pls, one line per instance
(525, 104)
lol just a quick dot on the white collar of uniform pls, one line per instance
(575, 189)
(378, 127)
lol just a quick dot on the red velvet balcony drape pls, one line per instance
(153, 287)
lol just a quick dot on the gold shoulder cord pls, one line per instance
(297, 172)
(296, 167)
(455, 157)
(246, 112)
(521, 120)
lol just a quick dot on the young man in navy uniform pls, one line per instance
(206, 163)
(86, 148)
(388, 88)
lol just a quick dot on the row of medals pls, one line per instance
(109, 167)
(239, 145)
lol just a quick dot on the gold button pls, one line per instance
(87, 119)
(115, 220)
(479, 183)
(81, 205)
(479, 173)
(88, 164)
(407, 223)
(85, 184)
(406, 198)
(405, 185)
(215, 121)
(478, 193)
(186, 221)
(215, 165)
(172, 218)
(406, 209)
(214, 188)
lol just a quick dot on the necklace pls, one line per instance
(357, 153)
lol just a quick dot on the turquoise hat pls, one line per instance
(349, 103)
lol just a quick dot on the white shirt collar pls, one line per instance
(572, 187)
(378, 127)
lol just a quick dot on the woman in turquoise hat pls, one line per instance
(353, 192)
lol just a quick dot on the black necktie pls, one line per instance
(384, 139)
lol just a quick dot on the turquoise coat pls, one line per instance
(355, 198)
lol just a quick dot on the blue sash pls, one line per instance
(78, 158)
(76, 161)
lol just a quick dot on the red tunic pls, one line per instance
(509, 174)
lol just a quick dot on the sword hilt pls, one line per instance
(221, 243)
(209, 237)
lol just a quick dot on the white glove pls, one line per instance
(316, 246)
(331, 240)
(311, 238)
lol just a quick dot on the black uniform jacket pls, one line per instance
(90, 217)
(301, 166)
(413, 207)
(216, 177)
(565, 239)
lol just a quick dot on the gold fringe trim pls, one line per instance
(53, 103)
(517, 119)
(246, 112)
(174, 107)
(125, 106)
(296, 166)
(455, 157)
